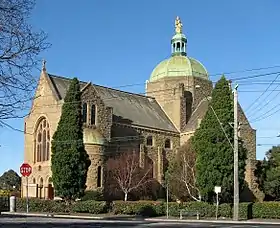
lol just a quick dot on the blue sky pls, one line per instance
(116, 43)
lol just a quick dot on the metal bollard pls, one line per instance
(12, 204)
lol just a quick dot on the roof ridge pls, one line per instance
(105, 87)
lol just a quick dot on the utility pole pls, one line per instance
(236, 182)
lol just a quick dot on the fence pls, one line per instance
(4, 203)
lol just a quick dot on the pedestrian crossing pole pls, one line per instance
(236, 182)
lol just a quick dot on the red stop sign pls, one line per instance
(25, 170)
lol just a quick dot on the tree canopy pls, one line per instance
(20, 46)
(214, 163)
(9, 180)
(268, 174)
(70, 161)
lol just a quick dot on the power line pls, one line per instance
(254, 102)
(242, 78)
(262, 117)
(232, 79)
(264, 144)
(258, 91)
(261, 107)
(268, 137)
(220, 74)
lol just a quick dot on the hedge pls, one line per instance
(268, 210)
(144, 208)
(52, 206)
(90, 206)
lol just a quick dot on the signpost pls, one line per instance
(218, 190)
(26, 170)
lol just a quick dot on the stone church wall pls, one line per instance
(179, 96)
(46, 106)
(135, 138)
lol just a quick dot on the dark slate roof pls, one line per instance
(197, 114)
(133, 108)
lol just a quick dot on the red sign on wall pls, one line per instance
(25, 170)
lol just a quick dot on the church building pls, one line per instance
(155, 124)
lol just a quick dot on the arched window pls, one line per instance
(93, 114)
(189, 101)
(84, 113)
(167, 144)
(42, 141)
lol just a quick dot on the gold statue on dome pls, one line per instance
(178, 25)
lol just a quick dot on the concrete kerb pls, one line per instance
(252, 222)
(213, 221)
(52, 215)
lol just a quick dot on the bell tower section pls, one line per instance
(180, 82)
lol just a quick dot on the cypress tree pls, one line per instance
(214, 164)
(70, 161)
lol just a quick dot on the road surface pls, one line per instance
(32, 222)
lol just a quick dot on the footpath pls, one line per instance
(156, 219)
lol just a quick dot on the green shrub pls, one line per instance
(225, 210)
(40, 205)
(174, 208)
(205, 209)
(267, 210)
(4, 203)
(144, 208)
(93, 195)
(4, 193)
(245, 210)
(90, 206)
(52, 206)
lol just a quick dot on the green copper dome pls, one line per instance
(179, 64)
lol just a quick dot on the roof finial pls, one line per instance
(178, 25)
(44, 65)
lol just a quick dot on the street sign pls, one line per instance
(218, 189)
(25, 170)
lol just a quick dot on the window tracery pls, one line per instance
(42, 141)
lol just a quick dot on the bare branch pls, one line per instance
(181, 174)
(20, 47)
(126, 172)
